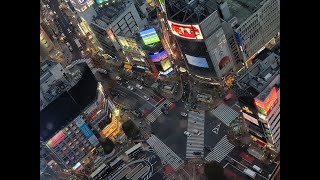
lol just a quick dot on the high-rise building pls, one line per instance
(202, 37)
(65, 131)
(120, 18)
(257, 22)
(258, 90)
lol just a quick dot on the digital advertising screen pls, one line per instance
(250, 118)
(56, 140)
(159, 56)
(197, 61)
(185, 31)
(101, 1)
(149, 36)
(166, 64)
(222, 55)
(264, 107)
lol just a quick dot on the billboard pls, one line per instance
(101, 1)
(86, 131)
(250, 118)
(221, 54)
(185, 31)
(56, 140)
(81, 5)
(197, 61)
(149, 36)
(158, 56)
(264, 107)
(166, 64)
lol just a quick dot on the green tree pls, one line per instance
(130, 129)
(107, 145)
(214, 171)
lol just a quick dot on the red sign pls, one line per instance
(57, 139)
(268, 103)
(186, 31)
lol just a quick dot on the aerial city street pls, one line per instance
(160, 89)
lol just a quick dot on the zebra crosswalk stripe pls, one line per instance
(225, 114)
(220, 151)
(195, 143)
(157, 111)
(164, 152)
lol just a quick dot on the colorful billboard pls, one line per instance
(86, 131)
(56, 140)
(197, 61)
(158, 56)
(264, 107)
(250, 118)
(101, 1)
(149, 36)
(166, 64)
(222, 55)
(185, 31)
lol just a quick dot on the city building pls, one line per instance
(201, 37)
(257, 23)
(105, 21)
(64, 132)
(258, 90)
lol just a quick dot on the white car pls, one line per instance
(196, 132)
(183, 114)
(69, 31)
(139, 86)
(119, 79)
(187, 133)
(146, 98)
(130, 88)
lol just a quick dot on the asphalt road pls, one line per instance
(169, 129)
(64, 24)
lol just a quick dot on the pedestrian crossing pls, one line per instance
(164, 152)
(157, 111)
(225, 113)
(220, 151)
(195, 143)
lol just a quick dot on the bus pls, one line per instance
(134, 150)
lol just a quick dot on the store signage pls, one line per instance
(56, 140)
(250, 118)
(185, 31)
(82, 2)
(264, 107)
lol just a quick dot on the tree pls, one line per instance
(214, 171)
(130, 129)
(107, 145)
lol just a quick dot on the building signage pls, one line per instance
(82, 2)
(264, 107)
(56, 140)
(185, 31)
(149, 36)
(197, 61)
(250, 118)
(158, 56)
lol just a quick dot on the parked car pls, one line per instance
(197, 153)
(183, 114)
(130, 88)
(118, 78)
(187, 133)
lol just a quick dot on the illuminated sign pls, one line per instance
(250, 118)
(76, 166)
(197, 61)
(245, 108)
(101, 1)
(57, 139)
(185, 31)
(158, 56)
(149, 36)
(266, 106)
(166, 64)
(82, 2)
(168, 72)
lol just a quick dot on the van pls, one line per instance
(257, 168)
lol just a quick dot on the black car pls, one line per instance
(197, 153)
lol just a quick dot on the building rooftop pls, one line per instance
(189, 11)
(264, 73)
(243, 9)
(106, 15)
(68, 105)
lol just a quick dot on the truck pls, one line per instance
(250, 173)
(77, 42)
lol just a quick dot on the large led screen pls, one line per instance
(197, 61)
(264, 107)
(149, 36)
(185, 31)
(57, 139)
(158, 56)
(166, 64)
